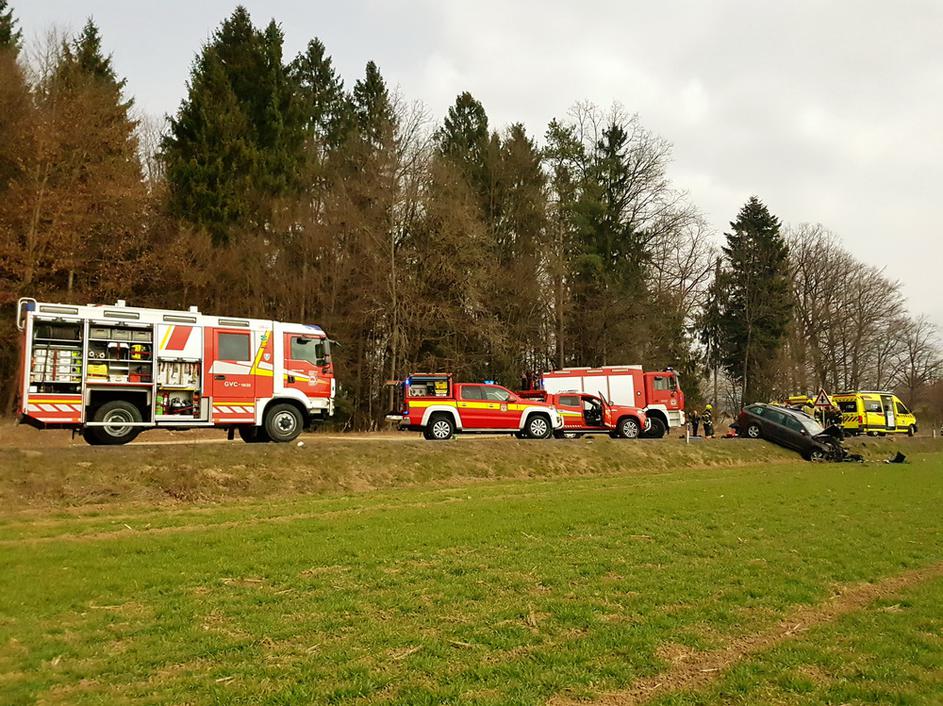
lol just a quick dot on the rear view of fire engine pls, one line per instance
(113, 371)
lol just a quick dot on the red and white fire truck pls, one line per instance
(657, 393)
(112, 371)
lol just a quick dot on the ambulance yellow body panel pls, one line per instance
(865, 412)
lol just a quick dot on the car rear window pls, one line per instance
(570, 400)
(848, 405)
(756, 409)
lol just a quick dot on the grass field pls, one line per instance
(483, 571)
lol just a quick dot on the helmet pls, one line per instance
(709, 406)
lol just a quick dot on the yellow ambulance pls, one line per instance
(867, 412)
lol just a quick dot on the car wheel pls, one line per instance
(440, 428)
(817, 455)
(911, 431)
(538, 426)
(283, 422)
(754, 431)
(118, 417)
(628, 428)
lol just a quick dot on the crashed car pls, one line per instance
(794, 430)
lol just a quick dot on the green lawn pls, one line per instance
(477, 591)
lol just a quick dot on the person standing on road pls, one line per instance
(695, 421)
(708, 420)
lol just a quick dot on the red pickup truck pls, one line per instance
(584, 413)
(438, 407)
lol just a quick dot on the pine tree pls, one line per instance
(373, 108)
(10, 35)
(325, 106)
(464, 140)
(755, 300)
(237, 139)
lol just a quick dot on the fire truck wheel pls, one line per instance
(538, 426)
(283, 422)
(253, 435)
(628, 428)
(656, 429)
(118, 416)
(440, 428)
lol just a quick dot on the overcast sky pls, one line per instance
(830, 112)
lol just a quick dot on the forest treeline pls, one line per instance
(417, 242)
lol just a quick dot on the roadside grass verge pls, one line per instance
(82, 476)
(496, 580)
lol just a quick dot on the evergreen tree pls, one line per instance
(755, 307)
(373, 109)
(465, 141)
(324, 105)
(236, 141)
(610, 275)
(10, 34)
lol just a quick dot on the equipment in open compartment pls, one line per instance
(172, 373)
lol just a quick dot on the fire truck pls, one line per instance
(657, 393)
(112, 371)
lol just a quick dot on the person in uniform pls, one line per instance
(707, 418)
(695, 421)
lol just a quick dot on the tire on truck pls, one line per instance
(441, 427)
(117, 416)
(656, 430)
(283, 422)
(253, 434)
(538, 426)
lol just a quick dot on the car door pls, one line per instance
(774, 427)
(472, 409)
(570, 408)
(890, 423)
(903, 416)
(795, 435)
(231, 383)
(500, 412)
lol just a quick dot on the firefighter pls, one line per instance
(708, 420)
(695, 421)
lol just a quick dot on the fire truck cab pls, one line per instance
(112, 371)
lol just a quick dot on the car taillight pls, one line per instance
(860, 419)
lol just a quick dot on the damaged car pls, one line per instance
(794, 430)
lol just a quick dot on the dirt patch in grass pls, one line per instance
(690, 670)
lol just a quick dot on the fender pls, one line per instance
(432, 409)
(284, 394)
(539, 410)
